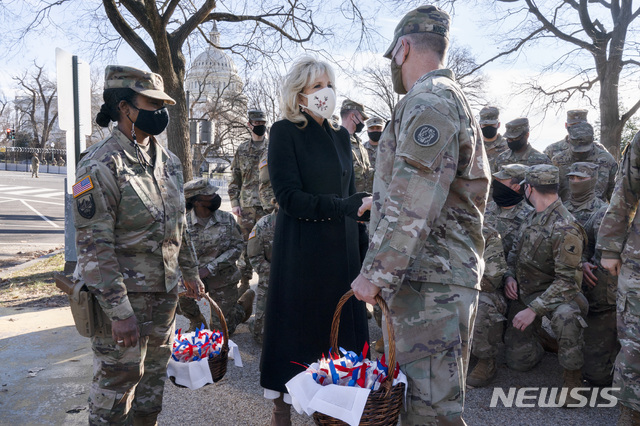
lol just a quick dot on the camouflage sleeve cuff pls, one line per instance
(606, 254)
(119, 312)
(235, 203)
(190, 273)
(538, 307)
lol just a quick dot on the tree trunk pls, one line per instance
(178, 131)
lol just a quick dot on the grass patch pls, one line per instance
(34, 286)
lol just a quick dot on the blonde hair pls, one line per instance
(304, 71)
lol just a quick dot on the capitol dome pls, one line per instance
(216, 70)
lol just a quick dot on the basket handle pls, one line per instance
(216, 308)
(335, 325)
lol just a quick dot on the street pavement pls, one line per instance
(31, 212)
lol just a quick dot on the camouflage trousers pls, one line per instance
(246, 221)
(489, 324)
(626, 375)
(257, 326)
(433, 324)
(226, 298)
(523, 351)
(129, 382)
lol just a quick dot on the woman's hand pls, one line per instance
(366, 205)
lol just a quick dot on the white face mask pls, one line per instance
(321, 103)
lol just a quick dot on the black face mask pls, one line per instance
(505, 196)
(260, 129)
(489, 132)
(359, 127)
(527, 199)
(374, 136)
(151, 122)
(215, 203)
(517, 144)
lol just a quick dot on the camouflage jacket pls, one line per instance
(557, 147)
(373, 154)
(430, 189)
(607, 169)
(583, 212)
(260, 244)
(35, 161)
(591, 227)
(508, 221)
(546, 259)
(264, 188)
(131, 232)
(619, 234)
(361, 166)
(495, 264)
(218, 244)
(244, 186)
(494, 149)
(529, 157)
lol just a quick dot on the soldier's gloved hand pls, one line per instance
(125, 332)
(350, 206)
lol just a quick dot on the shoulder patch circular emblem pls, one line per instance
(426, 135)
(86, 206)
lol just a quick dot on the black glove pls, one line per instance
(349, 206)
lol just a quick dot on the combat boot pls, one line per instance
(146, 419)
(549, 344)
(379, 345)
(281, 414)
(244, 285)
(628, 416)
(483, 373)
(572, 379)
(246, 301)
(196, 322)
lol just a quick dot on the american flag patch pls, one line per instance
(262, 163)
(82, 186)
(252, 234)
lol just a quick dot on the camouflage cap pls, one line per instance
(256, 115)
(375, 121)
(425, 19)
(541, 174)
(348, 104)
(509, 171)
(516, 127)
(489, 115)
(200, 186)
(576, 116)
(581, 137)
(144, 82)
(583, 169)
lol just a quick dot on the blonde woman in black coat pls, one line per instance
(315, 251)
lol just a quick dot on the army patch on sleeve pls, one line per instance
(426, 135)
(252, 234)
(82, 186)
(86, 206)
(262, 164)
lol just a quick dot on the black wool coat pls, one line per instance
(315, 254)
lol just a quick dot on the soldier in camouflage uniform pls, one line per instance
(218, 242)
(494, 143)
(35, 165)
(574, 116)
(582, 148)
(492, 308)
(520, 150)
(544, 279)
(244, 188)
(131, 237)
(430, 189)
(259, 252)
(508, 210)
(601, 344)
(353, 117)
(619, 242)
(375, 126)
(582, 202)
(264, 188)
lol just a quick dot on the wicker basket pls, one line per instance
(217, 363)
(383, 406)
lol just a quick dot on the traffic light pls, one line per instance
(13, 134)
(8, 133)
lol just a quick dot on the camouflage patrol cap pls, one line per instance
(425, 19)
(576, 116)
(516, 127)
(144, 82)
(375, 121)
(256, 115)
(348, 104)
(541, 174)
(583, 169)
(489, 115)
(200, 186)
(581, 137)
(510, 171)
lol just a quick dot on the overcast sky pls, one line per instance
(469, 29)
